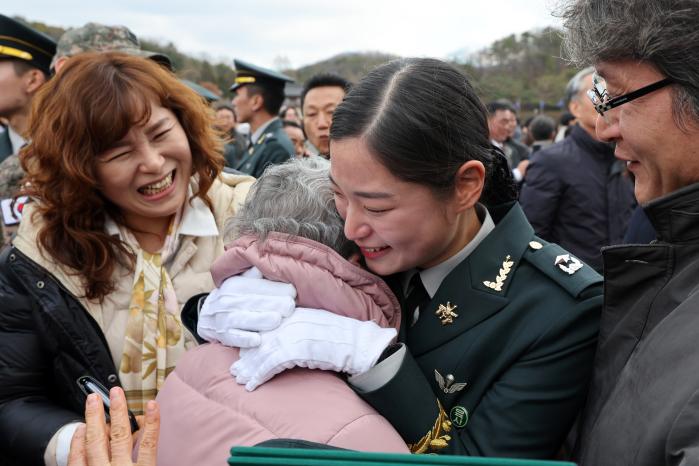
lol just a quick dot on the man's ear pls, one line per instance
(574, 107)
(256, 102)
(470, 178)
(33, 80)
(60, 61)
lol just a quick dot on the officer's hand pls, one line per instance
(93, 444)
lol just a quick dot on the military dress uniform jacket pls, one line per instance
(643, 406)
(522, 342)
(272, 147)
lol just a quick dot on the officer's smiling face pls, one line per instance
(397, 225)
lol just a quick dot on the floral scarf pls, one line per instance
(154, 338)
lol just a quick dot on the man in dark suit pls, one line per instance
(502, 122)
(25, 56)
(259, 94)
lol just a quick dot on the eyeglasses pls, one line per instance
(600, 96)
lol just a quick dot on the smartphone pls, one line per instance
(90, 385)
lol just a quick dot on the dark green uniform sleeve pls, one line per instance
(407, 402)
(526, 413)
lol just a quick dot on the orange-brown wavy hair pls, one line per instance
(91, 104)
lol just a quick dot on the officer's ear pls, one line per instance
(468, 186)
(256, 102)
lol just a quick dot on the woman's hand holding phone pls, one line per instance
(95, 443)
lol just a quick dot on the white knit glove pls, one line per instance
(243, 306)
(316, 339)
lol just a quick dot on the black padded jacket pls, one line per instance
(47, 341)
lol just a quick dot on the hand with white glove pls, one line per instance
(315, 339)
(243, 306)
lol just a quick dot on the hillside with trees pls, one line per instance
(525, 68)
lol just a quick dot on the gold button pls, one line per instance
(535, 245)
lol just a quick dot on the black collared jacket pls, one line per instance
(578, 195)
(643, 407)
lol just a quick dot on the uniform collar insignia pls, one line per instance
(502, 275)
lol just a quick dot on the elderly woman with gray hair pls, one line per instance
(289, 233)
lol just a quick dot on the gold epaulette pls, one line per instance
(436, 438)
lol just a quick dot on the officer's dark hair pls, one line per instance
(422, 120)
(272, 96)
(324, 80)
(542, 127)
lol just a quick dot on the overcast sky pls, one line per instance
(303, 31)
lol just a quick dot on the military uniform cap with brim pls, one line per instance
(247, 73)
(19, 41)
(95, 37)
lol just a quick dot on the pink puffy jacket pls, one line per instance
(204, 412)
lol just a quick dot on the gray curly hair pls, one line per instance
(294, 198)
(663, 33)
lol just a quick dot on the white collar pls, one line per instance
(432, 278)
(197, 220)
(16, 140)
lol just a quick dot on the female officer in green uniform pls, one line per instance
(499, 327)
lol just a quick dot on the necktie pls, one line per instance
(417, 298)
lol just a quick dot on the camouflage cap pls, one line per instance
(94, 37)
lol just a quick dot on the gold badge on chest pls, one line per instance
(446, 313)
(502, 275)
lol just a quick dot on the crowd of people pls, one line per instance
(392, 266)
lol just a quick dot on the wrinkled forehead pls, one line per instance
(623, 71)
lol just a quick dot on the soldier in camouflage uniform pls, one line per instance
(91, 37)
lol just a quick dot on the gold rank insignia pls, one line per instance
(446, 313)
(437, 438)
(502, 275)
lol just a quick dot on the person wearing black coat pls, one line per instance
(576, 193)
(44, 313)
